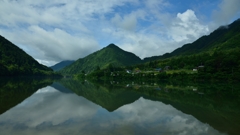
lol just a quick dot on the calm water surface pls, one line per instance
(71, 107)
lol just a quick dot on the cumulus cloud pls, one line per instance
(52, 31)
(143, 45)
(161, 36)
(53, 45)
(187, 27)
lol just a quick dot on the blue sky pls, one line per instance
(52, 31)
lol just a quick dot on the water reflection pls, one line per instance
(15, 90)
(50, 111)
(46, 111)
(214, 103)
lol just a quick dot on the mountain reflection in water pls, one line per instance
(49, 111)
(72, 107)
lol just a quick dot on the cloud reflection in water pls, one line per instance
(49, 111)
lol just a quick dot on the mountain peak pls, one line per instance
(112, 46)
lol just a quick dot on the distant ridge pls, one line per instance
(61, 65)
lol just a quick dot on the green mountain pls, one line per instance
(214, 57)
(61, 65)
(207, 50)
(108, 56)
(14, 61)
(224, 38)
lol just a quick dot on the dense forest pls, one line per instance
(221, 65)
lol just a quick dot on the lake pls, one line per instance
(44, 106)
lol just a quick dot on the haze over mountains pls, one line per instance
(61, 65)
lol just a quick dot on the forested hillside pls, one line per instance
(104, 58)
(212, 57)
(224, 38)
(14, 61)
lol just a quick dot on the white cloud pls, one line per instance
(187, 27)
(55, 30)
(187, 17)
(52, 31)
(154, 6)
(228, 10)
(128, 22)
(53, 45)
(159, 37)
(143, 45)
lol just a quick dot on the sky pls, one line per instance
(55, 30)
